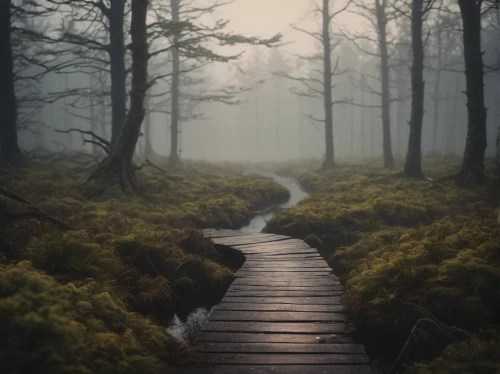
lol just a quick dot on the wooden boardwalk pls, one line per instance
(282, 314)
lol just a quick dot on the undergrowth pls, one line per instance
(394, 241)
(96, 299)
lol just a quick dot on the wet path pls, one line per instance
(282, 314)
(186, 330)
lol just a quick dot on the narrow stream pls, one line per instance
(185, 330)
(296, 194)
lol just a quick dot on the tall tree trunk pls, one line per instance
(174, 159)
(257, 108)
(400, 115)
(93, 119)
(301, 126)
(475, 146)
(148, 149)
(68, 119)
(329, 161)
(437, 92)
(372, 126)
(351, 126)
(413, 166)
(103, 118)
(453, 117)
(180, 138)
(103, 107)
(117, 67)
(362, 125)
(498, 150)
(384, 74)
(498, 101)
(119, 166)
(9, 149)
(277, 115)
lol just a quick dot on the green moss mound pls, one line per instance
(479, 355)
(450, 268)
(97, 299)
(395, 242)
(55, 328)
(351, 201)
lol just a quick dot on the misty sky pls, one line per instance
(268, 17)
(272, 123)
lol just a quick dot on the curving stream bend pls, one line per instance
(184, 331)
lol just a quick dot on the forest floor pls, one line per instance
(96, 298)
(407, 251)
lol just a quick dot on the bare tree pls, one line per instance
(447, 49)
(118, 166)
(379, 13)
(174, 159)
(475, 147)
(189, 40)
(320, 87)
(413, 165)
(9, 149)
(99, 47)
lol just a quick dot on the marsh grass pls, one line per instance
(393, 240)
(96, 299)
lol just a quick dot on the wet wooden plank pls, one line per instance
(293, 291)
(270, 287)
(266, 327)
(278, 244)
(282, 275)
(290, 275)
(274, 293)
(274, 255)
(283, 300)
(297, 282)
(274, 259)
(248, 239)
(279, 369)
(260, 316)
(325, 270)
(281, 359)
(280, 348)
(214, 233)
(245, 238)
(271, 246)
(281, 287)
(277, 252)
(228, 337)
(287, 257)
(286, 264)
(277, 257)
(280, 307)
(285, 242)
(289, 269)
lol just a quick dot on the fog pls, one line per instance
(269, 121)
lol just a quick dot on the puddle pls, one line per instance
(185, 331)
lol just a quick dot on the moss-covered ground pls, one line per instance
(96, 299)
(397, 243)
